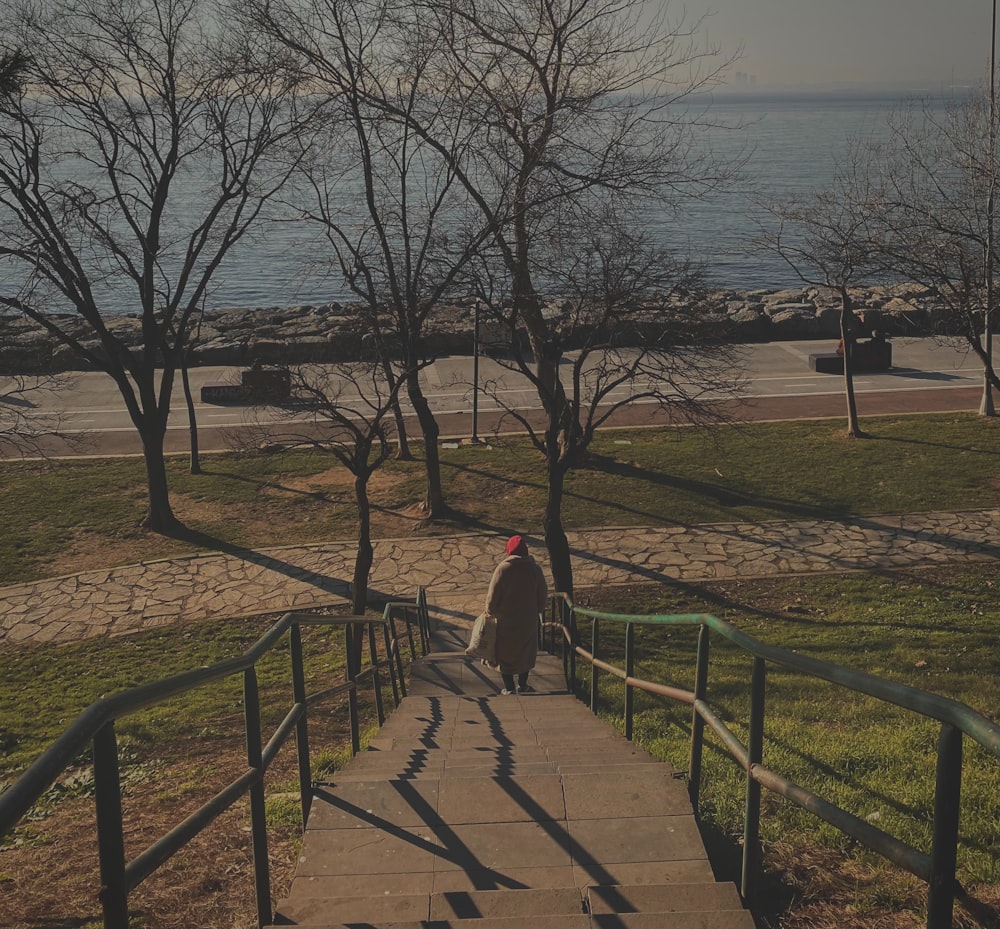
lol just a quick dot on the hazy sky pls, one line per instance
(792, 42)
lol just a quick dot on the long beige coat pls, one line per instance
(516, 596)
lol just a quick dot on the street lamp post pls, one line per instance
(986, 407)
(475, 376)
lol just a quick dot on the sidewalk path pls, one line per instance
(457, 569)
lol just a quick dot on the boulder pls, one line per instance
(786, 296)
(781, 309)
(749, 324)
(795, 322)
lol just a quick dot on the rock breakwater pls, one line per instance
(330, 332)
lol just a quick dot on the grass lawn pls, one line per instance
(72, 515)
(935, 630)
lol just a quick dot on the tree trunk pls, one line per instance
(403, 452)
(366, 554)
(192, 419)
(555, 536)
(847, 339)
(159, 517)
(434, 505)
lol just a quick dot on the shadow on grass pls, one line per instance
(900, 440)
(767, 507)
(261, 484)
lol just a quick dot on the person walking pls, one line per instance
(516, 597)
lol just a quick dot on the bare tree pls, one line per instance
(131, 163)
(826, 238)
(582, 101)
(21, 432)
(938, 176)
(345, 410)
(529, 104)
(634, 333)
(402, 240)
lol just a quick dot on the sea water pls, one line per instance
(791, 143)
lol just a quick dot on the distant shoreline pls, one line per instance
(328, 333)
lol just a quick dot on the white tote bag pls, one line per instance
(483, 641)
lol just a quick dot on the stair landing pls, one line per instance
(471, 809)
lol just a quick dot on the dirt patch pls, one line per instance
(268, 518)
(337, 477)
(55, 880)
(86, 551)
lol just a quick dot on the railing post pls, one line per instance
(420, 624)
(595, 638)
(409, 633)
(389, 638)
(570, 622)
(697, 723)
(629, 672)
(947, 807)
(110, 841)
(399, 655)
(258, 814)
(559, 615)
(751, 820)
(424, 644)
(376, 678)
(302, 726)
(352, 694)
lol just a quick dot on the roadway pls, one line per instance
(927, 376)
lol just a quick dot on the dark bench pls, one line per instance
(874, 355)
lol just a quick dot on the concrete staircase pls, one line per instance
(474, 809)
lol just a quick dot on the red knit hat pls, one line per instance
(516, 546)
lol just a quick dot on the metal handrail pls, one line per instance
(95, 725)
(938, 868)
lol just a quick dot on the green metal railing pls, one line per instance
(96, 726)
(937, 868)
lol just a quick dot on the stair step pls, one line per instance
(439, 772)
(662, 898)
(505, 904)
(712, 919)
(375, 909)
(703, 919)
(450, 906)
(581, 921)
(479, 755)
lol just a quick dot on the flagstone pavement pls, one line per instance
(456, 569)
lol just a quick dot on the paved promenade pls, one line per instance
(456, 569)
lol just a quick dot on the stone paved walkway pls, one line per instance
(457, 569)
